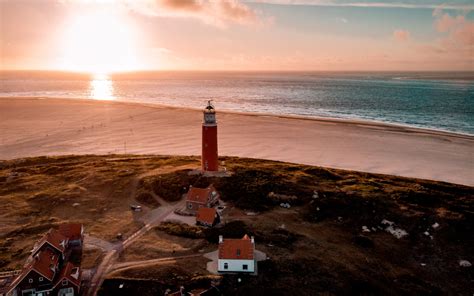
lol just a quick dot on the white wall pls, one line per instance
(235, 265)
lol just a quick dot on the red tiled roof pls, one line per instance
(43, 263)
(73, 231)
(206, 215)
(71, 273)
(199, 195)
(236, 249)
(55, 239)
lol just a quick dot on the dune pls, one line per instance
(47, 126)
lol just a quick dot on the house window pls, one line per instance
(64, 283)
(238, 252)
(226, 265)
(245, 267)
(40, 279)
(66, 292)
(30, 281)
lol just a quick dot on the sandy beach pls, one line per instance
(33, 127)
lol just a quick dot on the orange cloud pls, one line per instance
(460, 31)
(401, 35)
(213, 12)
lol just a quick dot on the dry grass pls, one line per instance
(91, 258)
(39, 193)
(158, 244)
(315, 247)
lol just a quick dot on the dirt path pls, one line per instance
(95, 242)
(152, 219)
(134, 264)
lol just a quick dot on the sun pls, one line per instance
(99, 42)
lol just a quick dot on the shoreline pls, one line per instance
(351, 121)
(52, 126)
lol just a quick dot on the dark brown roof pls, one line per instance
(73, 231)
(206, 215)
(237, 249)
(71, 273)
(199, 195)
(44, 263)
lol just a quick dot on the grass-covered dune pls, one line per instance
(332, 240)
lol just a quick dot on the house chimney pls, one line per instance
(252, 239)
(221, 239)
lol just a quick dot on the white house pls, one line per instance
(236, 255)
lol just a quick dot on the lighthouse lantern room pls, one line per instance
(209, 160)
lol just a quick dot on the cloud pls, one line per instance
(401, 35)
(455, 5)
(220, 13)
(456, 37)
(458, 30)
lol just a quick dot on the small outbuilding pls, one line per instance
(236, 255)
(74, 232)
(201, 197)
(207, 217)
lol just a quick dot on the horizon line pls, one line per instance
(364, 4)
(228, 70)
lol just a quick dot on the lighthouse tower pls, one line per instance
(209, 139)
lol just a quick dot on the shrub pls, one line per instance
(181, 229)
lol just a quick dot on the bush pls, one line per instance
(147, 199)
(249, 188)
(181, 229)
(171, 186)
(233, 229)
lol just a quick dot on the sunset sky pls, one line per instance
(122, 35)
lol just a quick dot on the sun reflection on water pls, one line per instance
(101, 88)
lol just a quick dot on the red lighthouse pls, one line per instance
(209, 139)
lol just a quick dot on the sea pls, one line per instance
(432, 100)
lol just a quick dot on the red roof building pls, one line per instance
(74, 233)
(236, 255)
(207, 217)
(201, 197)
(52, 239)
(48, 271)
(70, 276)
